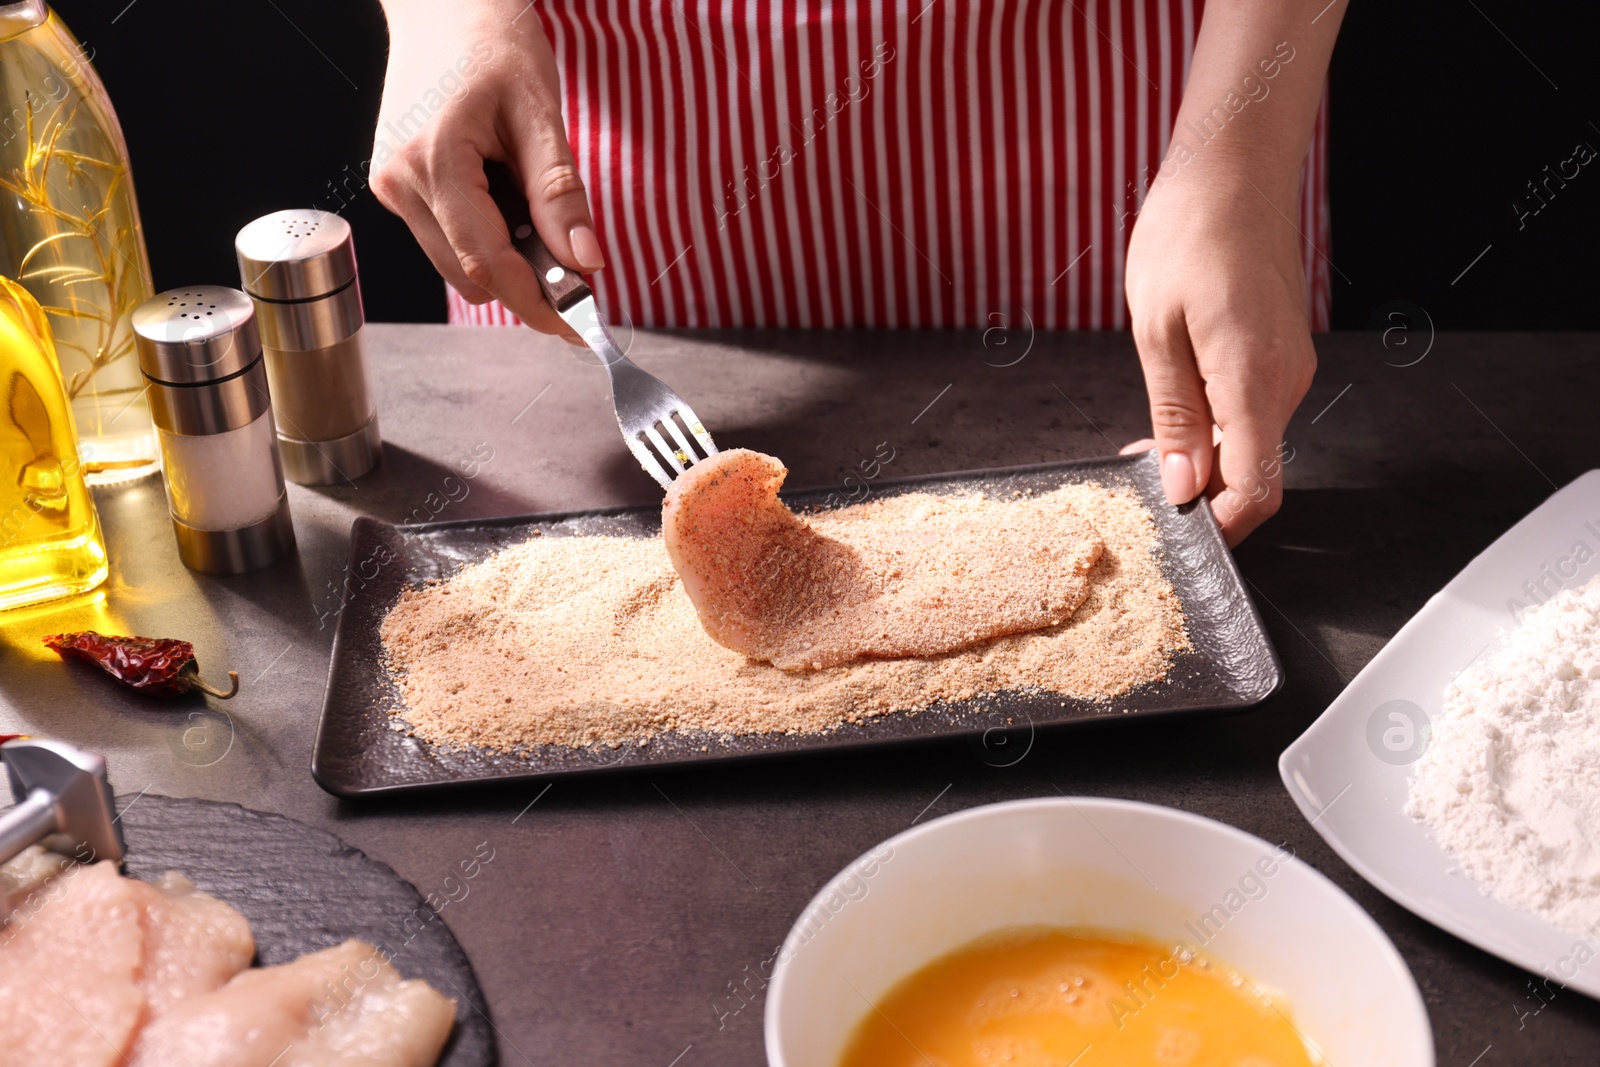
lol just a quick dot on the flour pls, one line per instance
(1510, 784)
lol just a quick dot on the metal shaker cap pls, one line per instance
(196, 335)
(296, 255)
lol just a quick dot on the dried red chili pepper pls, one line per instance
(11, 737)
(160, 666)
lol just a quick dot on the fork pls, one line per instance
(647, 410)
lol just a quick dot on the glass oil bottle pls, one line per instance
(50, 541)
(70, 233)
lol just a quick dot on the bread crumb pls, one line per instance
(578, 641)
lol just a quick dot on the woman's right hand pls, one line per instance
(470, 81)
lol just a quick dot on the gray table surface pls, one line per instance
(619, 914)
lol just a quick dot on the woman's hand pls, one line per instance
(1219, 315)
(1214, 279)
(470, 81)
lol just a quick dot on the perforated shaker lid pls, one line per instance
(296, 255)
(196, 335)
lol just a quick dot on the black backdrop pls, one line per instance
(1443, 111)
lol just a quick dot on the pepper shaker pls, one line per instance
(201, 357)
(300, 268)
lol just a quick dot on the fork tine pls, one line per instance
(691, 420)
(667, 451)
(683, 442)
(647, 459)
(649, 412)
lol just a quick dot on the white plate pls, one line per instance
(1105, 864)
(1351, 780)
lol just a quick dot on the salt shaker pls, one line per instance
(300, 267)
(201, 357)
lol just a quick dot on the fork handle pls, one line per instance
(562, 285)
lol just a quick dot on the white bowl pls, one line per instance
(1113, 865)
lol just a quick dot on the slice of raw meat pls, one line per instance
(889, 582)
(193, 944)
(342, 1007)
(26, 872)
(69, 973)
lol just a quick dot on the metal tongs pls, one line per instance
(647, 410)
(59, 789)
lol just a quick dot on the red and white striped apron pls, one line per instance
(820, 163)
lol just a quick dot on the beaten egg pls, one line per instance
(1035, 997)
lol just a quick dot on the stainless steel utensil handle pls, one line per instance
(28, 823)
(562, 285)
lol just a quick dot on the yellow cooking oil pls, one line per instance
(1044, 997)
(50, 541)
(70, 233)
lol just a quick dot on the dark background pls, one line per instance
(1442, 112)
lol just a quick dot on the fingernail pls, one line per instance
(1177, 477)
(586, 248)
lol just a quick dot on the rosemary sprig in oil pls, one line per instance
(106, 289)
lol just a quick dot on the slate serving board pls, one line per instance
(304, 890)
(1233, 665)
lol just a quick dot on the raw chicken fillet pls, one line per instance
(345, 1006)
(86, 958)
(69, 973)
(808, 595)
(193, 942)
(26, 872)
(98, 970)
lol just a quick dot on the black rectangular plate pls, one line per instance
(358, 752)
